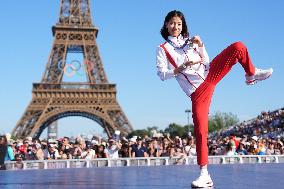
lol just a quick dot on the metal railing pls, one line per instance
(149, 161)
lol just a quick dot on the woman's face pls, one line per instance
(101, 148)
(174, 26)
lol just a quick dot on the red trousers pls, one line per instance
(201, 98)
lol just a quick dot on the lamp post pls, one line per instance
(188, 111)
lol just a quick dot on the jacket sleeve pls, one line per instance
(163, 70)
(204, 55)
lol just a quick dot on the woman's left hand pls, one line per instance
(197, 39)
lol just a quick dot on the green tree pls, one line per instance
(216, 122)
(220, 121)
(189, 128)
(138, 132)
(150, 129)
(143, 132)
(176, 130)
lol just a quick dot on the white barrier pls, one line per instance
(149, 161)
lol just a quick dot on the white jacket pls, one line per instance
(196, 74)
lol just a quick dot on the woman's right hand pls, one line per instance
(182, 67)
(179, 69)
(188, 63)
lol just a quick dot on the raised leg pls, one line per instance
(223, 62)
(201, 98)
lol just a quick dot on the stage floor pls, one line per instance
(245, 176)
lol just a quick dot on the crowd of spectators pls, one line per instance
(261, 136)
(97, 147)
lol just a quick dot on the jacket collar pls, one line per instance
(177, 40)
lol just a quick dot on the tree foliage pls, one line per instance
(216, 122)
(220, 121)
(143, 132)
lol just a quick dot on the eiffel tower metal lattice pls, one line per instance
(53, 99)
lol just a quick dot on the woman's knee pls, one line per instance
(238, 45)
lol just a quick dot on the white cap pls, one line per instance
(254, 138)
(19, 144)
(117, 132)
(95, 142)
(133, 139)
(53, 145)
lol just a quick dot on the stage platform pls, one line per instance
(234, 176)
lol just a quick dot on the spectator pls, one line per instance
(231, 148)
(39, 154)
(31, 152)
(213, 149)
(52, 152)
(80, 146)
(66, 147)
(44, 149)
(178, 142)
(21, 151)
(124, 152)
(241, 150)
(101, 152)
(138, 150)
(3, 151)
(165, 150)
(253, 148)
(112, 150)
(278, 147)
(261, 148)
(89, 154)
(236, 141)
(132, 144)
(153, 150)
(190, 147)
(157, 145)
(9, 154)
(270, 150)
(177, 151)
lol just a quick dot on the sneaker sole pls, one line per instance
(252, 82)
(208, 185)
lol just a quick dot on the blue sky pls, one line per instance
(127, 39)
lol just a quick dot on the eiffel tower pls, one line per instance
(53, 99)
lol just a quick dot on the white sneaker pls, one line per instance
(203, 181)
(259, 75)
